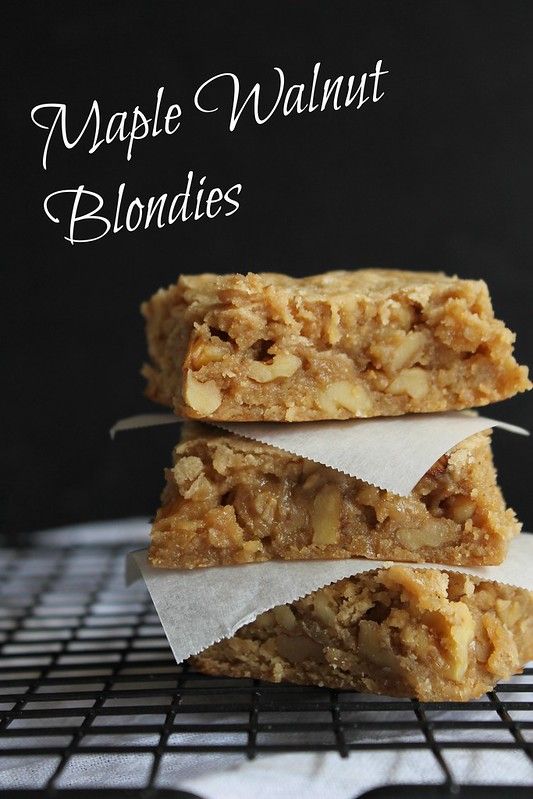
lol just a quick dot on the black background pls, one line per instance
(437, 175)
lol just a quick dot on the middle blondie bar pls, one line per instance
(231, 500)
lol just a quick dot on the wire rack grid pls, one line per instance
(88, 686)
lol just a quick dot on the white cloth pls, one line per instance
(286, 776)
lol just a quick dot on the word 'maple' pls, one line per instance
(119, 125)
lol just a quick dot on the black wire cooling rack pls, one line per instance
(88, 685)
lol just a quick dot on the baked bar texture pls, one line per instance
(400, 631)
(230, 500)
(370, 342)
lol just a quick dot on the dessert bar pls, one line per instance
(401, 631)
(232, 500)
(369, 342)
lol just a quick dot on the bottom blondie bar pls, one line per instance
(400, 631)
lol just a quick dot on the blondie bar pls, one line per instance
(422, 633)
(371, 342)
(230, 500)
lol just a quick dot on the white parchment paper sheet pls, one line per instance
(200, 606)
(391, 452)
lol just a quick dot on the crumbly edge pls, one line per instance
(360, 344)
(423, 633)
(231, 500)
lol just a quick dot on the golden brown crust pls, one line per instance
(365, 343)
(400, 631)
(232, 500)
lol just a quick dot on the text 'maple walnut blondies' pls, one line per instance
(364, 343)
(230, 500)
(401, 631)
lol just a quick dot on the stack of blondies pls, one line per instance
(342, 345)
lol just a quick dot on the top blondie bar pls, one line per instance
(369, 342)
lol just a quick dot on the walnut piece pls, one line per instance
(408, 351)
(324, 610)
(373, 644)
(205, 352)
(326, 515)
(411, 381)
(186, 470)
(204, 398)
(298, 648)
(284, 364)
(285, 617)
(345, 395)
(459, 508)
(433, 533)
(459, 638)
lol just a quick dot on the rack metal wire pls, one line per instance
(87, 677)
